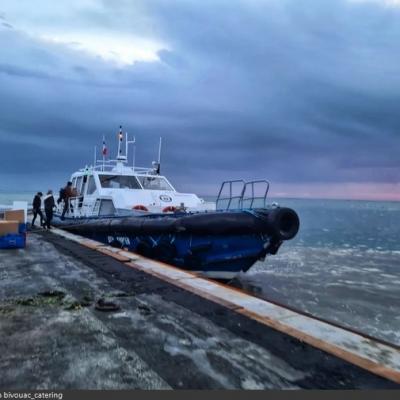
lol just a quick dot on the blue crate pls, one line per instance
(22, 228)
(13, 241)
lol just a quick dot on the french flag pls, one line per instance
(104, 150)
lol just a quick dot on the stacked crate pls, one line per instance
(13, 230)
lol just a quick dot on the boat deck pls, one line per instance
(173, 330)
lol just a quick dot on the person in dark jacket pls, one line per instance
(67, 194)
(36, 208)
(61, 195)
(49, 204)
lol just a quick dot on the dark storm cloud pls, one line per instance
(298, 92)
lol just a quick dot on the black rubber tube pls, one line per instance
(282, 223)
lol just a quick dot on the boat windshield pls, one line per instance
(154, 183)
(119, 182)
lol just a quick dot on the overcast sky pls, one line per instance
(303, 93)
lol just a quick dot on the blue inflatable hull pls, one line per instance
(217, 245)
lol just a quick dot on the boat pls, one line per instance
(138, 209)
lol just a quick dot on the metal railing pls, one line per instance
(234, 189)
(75, 207)
(111, 168)
(78, 208)
(263, 187)
(238, 194)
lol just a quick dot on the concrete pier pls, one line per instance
(172, 330)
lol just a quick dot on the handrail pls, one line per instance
(231, 197)
(111, 167)
(253, 197)
(246, 186)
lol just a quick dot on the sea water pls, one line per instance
(7, 198)
(344, 265)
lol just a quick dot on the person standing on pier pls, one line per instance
(49, 205)
(36, 208)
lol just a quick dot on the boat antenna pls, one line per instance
(104, 152)
(159, 157)
(120, 156)
(120, 139)
(95, 156)
(134, 154)
(133, 141)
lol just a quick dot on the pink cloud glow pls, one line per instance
(348, 191)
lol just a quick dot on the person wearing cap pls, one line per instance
(49, 205)
(36, 208)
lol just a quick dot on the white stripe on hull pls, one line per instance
(218, 274)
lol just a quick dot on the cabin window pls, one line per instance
(78, 184)
(154, 183)
(119, 182)
(85, 178)
(91, 185)
(106, 207)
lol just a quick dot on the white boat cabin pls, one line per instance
(114, 188)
